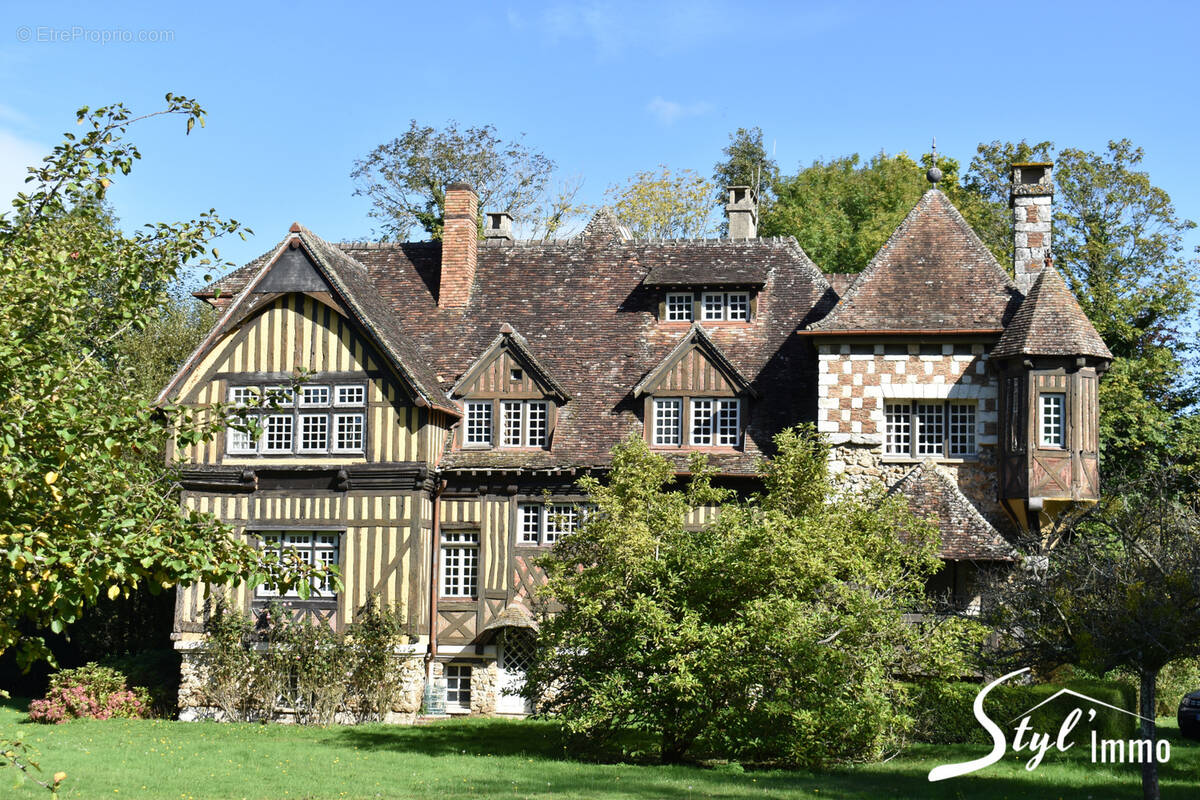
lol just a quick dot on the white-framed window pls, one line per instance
(350, 395)
(349, 431)
(321, 548)
(460, 563)
(733, 306)
(939, 429)
(679, 306)
(314, 433)
(523, 423)
(314, 396)
(702, 422)
(546, 523)
(729, 422)
(277, 433)
(478, 422)
(458, 688)
(1051, 417)
(299, 421)
(668, 417)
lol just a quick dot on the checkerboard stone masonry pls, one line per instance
(852, 390)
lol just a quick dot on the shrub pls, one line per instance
(156, 671)
(374, 677)
(91, 691)
(944, 715)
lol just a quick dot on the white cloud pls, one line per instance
(668, 112)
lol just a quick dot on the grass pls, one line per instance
(489, 758)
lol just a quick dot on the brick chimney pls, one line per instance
(498, 226)
(1031, 197)
(460, 245)
(742, 212)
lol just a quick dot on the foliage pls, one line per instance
(843, 211)
(772, 633)
(253, 669)
(154, 671)
(943, 709)
(92, 692)
(406, 179)
(1120, 591)
(1119, 243)
(664, 204)
(82, 512)
(746, 163)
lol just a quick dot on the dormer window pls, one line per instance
(523, 423)
(679, 306)
(709, 422)
(728, 306)
(478, 424)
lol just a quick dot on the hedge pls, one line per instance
(944, 715)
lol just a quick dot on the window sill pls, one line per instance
(938, 459)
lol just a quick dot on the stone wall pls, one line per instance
(856, 380)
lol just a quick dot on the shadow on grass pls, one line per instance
(473, 737)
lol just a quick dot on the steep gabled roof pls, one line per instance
(932, 493)
(698, 338)
(933, 275)
(352, 286)
(1050, 323)
(516, 344)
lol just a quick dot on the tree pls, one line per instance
(664, 204)
(1122, 590)
(842, 211)
(746, 164)
(773, 633)
(83, 514)
(405, 178)
(1119, 243)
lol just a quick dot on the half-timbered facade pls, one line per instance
(452, 393)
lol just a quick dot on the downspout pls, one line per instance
(434, 550)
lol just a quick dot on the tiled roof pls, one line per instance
(1050, 323)
(933, 494)
(933, 275)
(674, 267)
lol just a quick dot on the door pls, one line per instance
(513, 656)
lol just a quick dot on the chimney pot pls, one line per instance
(499, 226)
(460, 245)
(742, 212)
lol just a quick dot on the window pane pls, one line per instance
(679, 307)
(529, 523)
(278, 437)
(348, 430)
(458, 686)
(738, 305)
(729, 422)
(714, 305)
(561, 519)
(537, 413)
(1051, 420)
(353, 395)
(279, 396)
(314, 432)
(962, 429)
(243, 395)
(898, 433)
(479, 423)
(931, 429)
(460, 563)
(307, 547)
(666, 421)
(510, 423)
(239, 442)
(702, 422)
(314, 396)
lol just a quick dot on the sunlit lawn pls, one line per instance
(501, 758)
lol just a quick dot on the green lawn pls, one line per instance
(499, 758)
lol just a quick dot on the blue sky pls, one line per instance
(296, 92)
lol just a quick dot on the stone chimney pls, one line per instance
(742, 211)
(1031, 197)
(498, 226)
(460, 245)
